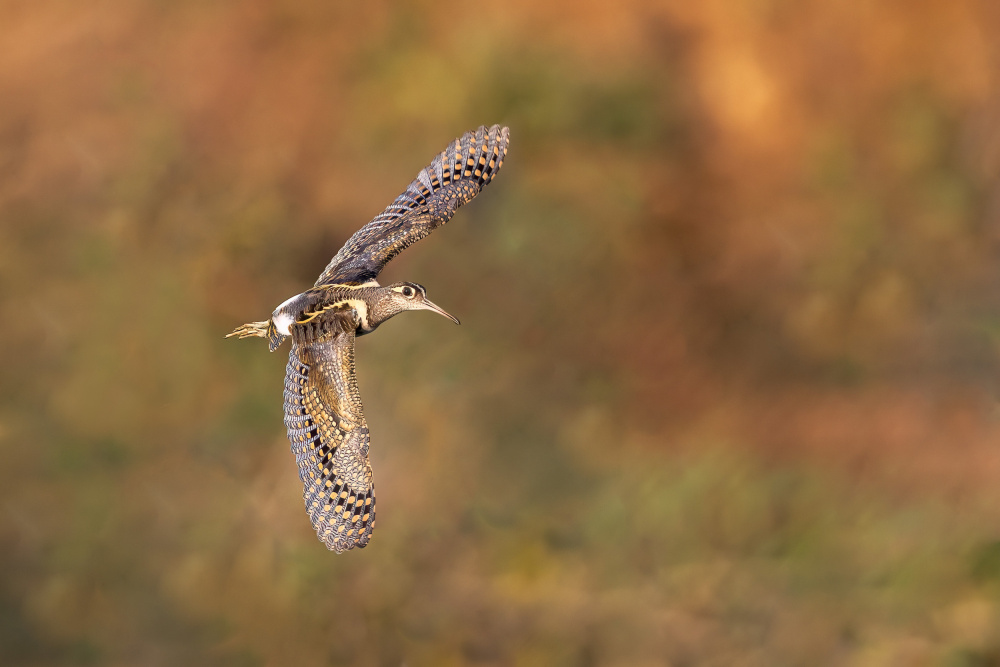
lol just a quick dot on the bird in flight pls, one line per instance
(323, 414)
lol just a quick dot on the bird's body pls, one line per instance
(323, 411)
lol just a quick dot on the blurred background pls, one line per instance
(726, 387)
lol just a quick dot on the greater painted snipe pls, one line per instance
(323, 414)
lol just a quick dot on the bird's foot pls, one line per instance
(251, 330)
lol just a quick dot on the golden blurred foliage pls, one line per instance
(726, 389)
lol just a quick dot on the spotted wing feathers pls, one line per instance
(453, 178)
(327, 431)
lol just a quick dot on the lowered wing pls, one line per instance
(327, 430)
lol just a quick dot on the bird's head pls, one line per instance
(408, 296)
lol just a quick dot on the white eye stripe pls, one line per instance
(409, 291)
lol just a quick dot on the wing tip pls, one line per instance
(495, 134)
(341, 527)
(477, 154)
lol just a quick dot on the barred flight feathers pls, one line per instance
(453, 178)
(328, 432)
(323, 413)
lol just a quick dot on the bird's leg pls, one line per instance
(251, 329)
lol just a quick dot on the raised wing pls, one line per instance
(453, 178)
(327, 430)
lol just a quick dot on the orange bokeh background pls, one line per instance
(726, 388)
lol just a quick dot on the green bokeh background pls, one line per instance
(726, 387)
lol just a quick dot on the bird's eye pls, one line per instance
(407, 292)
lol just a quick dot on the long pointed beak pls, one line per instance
(427, 305)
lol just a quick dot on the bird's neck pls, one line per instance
(381, 307)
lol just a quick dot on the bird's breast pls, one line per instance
(362, 309)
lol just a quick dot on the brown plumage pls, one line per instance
(323, 411)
